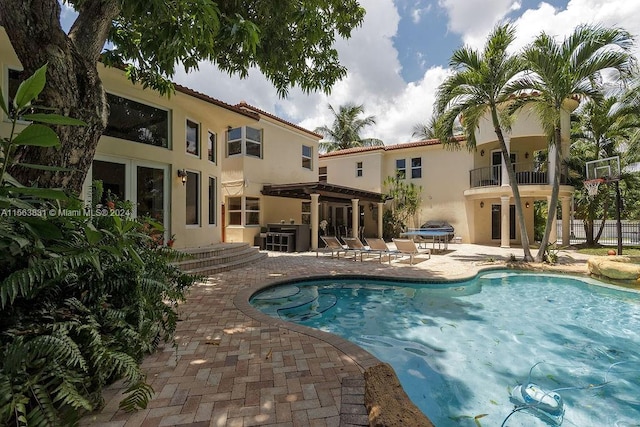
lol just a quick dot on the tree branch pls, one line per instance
(90, 30)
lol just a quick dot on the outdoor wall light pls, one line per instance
(482, 204)
(526, 205)
(183, 175)
(482, 152)
(526, 155)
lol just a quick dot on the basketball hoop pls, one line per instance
(592, 186)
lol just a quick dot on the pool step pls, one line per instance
(217, 258)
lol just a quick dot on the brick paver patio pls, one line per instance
(233, 366)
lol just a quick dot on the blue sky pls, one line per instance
(399, 56)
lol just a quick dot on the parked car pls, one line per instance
(441, 225)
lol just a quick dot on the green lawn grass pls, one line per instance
(602, 250)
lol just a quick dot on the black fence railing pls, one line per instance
(630, 232)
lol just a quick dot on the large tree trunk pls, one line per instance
(553, 203)
(73, 86)
(524, 235)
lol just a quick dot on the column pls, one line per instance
(505, 225)
(553, 236)
(315, 221)
(552, 163)
(355, 217)
(566, 221)
(380, 223)
(505, 171)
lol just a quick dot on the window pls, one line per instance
(253, 142)
(416, 167)
(252, 211)
(359, 169)
(307, 153)
(401, 168)
(212, 147)
(244, 140)
(193, 138)
(137, 122)
(306, 212)
(193, 198)
(322, 174)
(235, 210)
(212, 201)
(234, 141)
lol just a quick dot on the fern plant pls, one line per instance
(82, 298)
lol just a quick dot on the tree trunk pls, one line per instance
(553, 204)
(73, 86)
(524, 235)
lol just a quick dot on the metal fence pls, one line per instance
(630, 232)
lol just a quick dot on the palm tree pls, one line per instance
(569, 70)
(603, 129)
(479, 86)
(345, 130)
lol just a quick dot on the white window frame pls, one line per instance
(247, 211)
(401, 169)
(322, 174)
(212, 154)
(416, 168)
(198, 198)
(198, 137)
(213, 204)
(359, 169)
(308, 158)
(244, 141)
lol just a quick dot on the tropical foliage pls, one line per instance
(291, 43)
(405, 201)
(84, 294)
(559, 72)
(479, 86)
(346, 128)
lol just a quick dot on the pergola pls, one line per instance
(321, 191)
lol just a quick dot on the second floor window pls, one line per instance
(322, 174)
(244, 140)
(416, 167)
(359, 169)
(137, 122)
(307, 153)
(193, 138)
(212, 147)
(401, 168)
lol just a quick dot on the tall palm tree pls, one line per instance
(558, 72)
(346, 128)
(603, 129)
(479, 86)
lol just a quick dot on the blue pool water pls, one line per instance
(461, 349)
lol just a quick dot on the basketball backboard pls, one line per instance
(607, 169)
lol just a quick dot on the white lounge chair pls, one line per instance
(378, 244)
(408, 247)
(333, 245)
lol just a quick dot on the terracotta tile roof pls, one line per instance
(214, 101)
(412, 144)
(245, 106)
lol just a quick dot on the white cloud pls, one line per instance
(374, 69)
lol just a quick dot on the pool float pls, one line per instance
(545, 404)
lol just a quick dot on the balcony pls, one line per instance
(528, 173)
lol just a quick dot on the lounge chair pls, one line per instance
(356, 245)
(408, 247)
(378, 244)
(333, 245)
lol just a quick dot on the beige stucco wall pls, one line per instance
(181, 106)
(281, 163)
(341, 170)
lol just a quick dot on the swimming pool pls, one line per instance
(460, 349)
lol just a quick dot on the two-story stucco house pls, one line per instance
(470, 190)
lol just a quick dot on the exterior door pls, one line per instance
(496, 222)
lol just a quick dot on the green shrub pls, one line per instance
(83, 298)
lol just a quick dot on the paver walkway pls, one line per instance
(234, 366)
